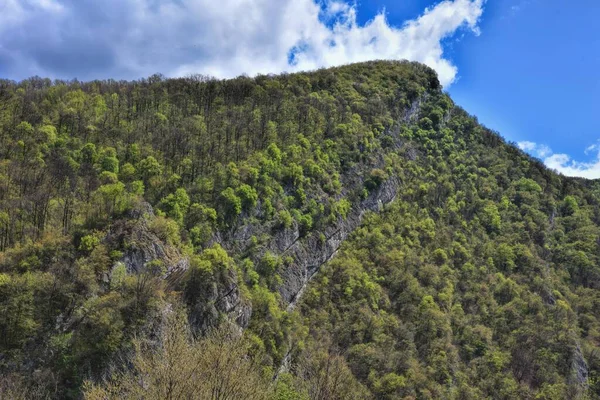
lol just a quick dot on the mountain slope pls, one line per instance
(466, 268)
(480, 281)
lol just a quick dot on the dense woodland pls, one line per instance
(480, 280)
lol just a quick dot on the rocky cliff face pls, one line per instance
(306, 253)
(142, 248)
(221, 297)
(141, 245)
(309, 253)
(579, 373)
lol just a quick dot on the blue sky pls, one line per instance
(528, 69)
(534, 75)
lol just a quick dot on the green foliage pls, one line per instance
(176, 205)
(109, 161)
(247, 195)
(89, 243)
(341, 208)
(216, 366)
(570, 205)
(305, 223)
(109, 199)
(269, 264)
(376, 178)
(17, 306)
(231, 204)
(149, 167)
(285, 219)
(440, 257)
(127, 173)
(528, 185)
(165, 229)
(217, 258)
(117, 276)
(504, 257)
(490, 218)
(108, 178)
(480, 279)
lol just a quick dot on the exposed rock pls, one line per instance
(579, 373)
(222, 296)
(413, 111)
(140, 245)
(310, 253)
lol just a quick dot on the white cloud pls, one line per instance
(563, 163)
(527, 146)
(538, 150)
(591, 148)
(133, 38)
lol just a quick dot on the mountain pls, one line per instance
(348, 233)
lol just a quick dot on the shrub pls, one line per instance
(89, 242)
(248, 196)
(376, 178)
(440, 257)
(231, 203)
(285, 219)
(268, 264)
(166, 230)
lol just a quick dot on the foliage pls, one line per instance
(215, 367)
(480, 280)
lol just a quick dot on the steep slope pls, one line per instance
(472, 272)
(479, 281)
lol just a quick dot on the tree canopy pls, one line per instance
(138, 222)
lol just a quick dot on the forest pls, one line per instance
(346, 233)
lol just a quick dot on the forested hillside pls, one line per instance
(158, 240)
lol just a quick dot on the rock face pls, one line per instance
(141, 246)
(309, 253)
(222, 296)
(579, 372)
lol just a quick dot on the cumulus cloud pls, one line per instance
(563, 163)
(538, 150)
(133, 38)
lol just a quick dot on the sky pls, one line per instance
(529, 69)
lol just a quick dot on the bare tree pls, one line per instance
(216, 367)
(324, 375)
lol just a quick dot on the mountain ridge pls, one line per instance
(464, 268)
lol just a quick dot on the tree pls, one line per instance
(176, 205)
(231, 204)
(216, 367)
(149, 167)
(324, 375)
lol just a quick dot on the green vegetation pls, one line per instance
(137, 222)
